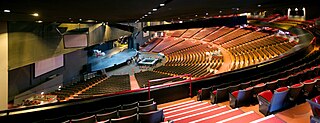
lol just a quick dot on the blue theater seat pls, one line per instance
(270, 102)
(315, 107)
(240, 98)
(151, 117)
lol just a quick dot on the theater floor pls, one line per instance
(298, 114)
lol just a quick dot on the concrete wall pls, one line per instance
(3, 66)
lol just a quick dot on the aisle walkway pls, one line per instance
(134, 83)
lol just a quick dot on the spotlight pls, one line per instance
(7, 11)
(162, 4)
(35, 14)
(154, 9)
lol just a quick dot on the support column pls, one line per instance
(3, 66)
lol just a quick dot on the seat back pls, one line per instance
(278, 99)
(111, 109)
(129, 106)
(147, 108)
(146, 102)
(258, 88)
(272, 85)
(90, 119)
(107, 116)
(295, 91)
(244, 96)
(315, 106)
(152, 117)
(205, 93)
(222, 94)
(128, 112)
(233, 88)
(282, 82)
(126, 119)
(245, 85)
(309, 85)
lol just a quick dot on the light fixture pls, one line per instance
(259, 5)
(6, 10)
(146, 15)
(80, 19)
(207, 13)
(196, 15)
(162, 4)
(149, 13)
(296, 9)
(42, 93)
(59, 86)
(237, 9)
(154, 9)
(179, 18)
(35, 14)
(39, 21)
(220, 11)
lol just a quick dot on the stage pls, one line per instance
(111, 57)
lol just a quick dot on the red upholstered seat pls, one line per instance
(317, 100)
(235, 93)
(309, 81)
(214, 92)
(259, 85)
(267, 95)
(248, 88)
(296, 85)
(282, 89)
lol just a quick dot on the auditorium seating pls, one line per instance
(143, 111)
(188, 43)
(270, 102)
(178, 33)
(74, 88)
(143, 78)
(232, 35)
(315, 107)
(166, 43)
(113, 84)
(152, 44)
(204, 32)
(240, 97)
(218, 33)
(191, 32)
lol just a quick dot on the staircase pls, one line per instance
(203, 112)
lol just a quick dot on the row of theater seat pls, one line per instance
(74, 88)
(250, 54)
(195, 60)
(113, 84)
(142, 111)
(143, 78)
(286, 75)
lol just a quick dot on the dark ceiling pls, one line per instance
(132, 10)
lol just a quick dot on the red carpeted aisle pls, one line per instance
(203, 112)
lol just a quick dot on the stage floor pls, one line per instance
(113, 56)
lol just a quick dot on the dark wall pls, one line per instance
(22, 79)
(19, 81)
(73, 63)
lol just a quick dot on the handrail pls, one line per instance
(168, 78)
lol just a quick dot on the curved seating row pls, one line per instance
(143, 78)
(114, 83)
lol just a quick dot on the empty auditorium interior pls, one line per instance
(159, 61)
